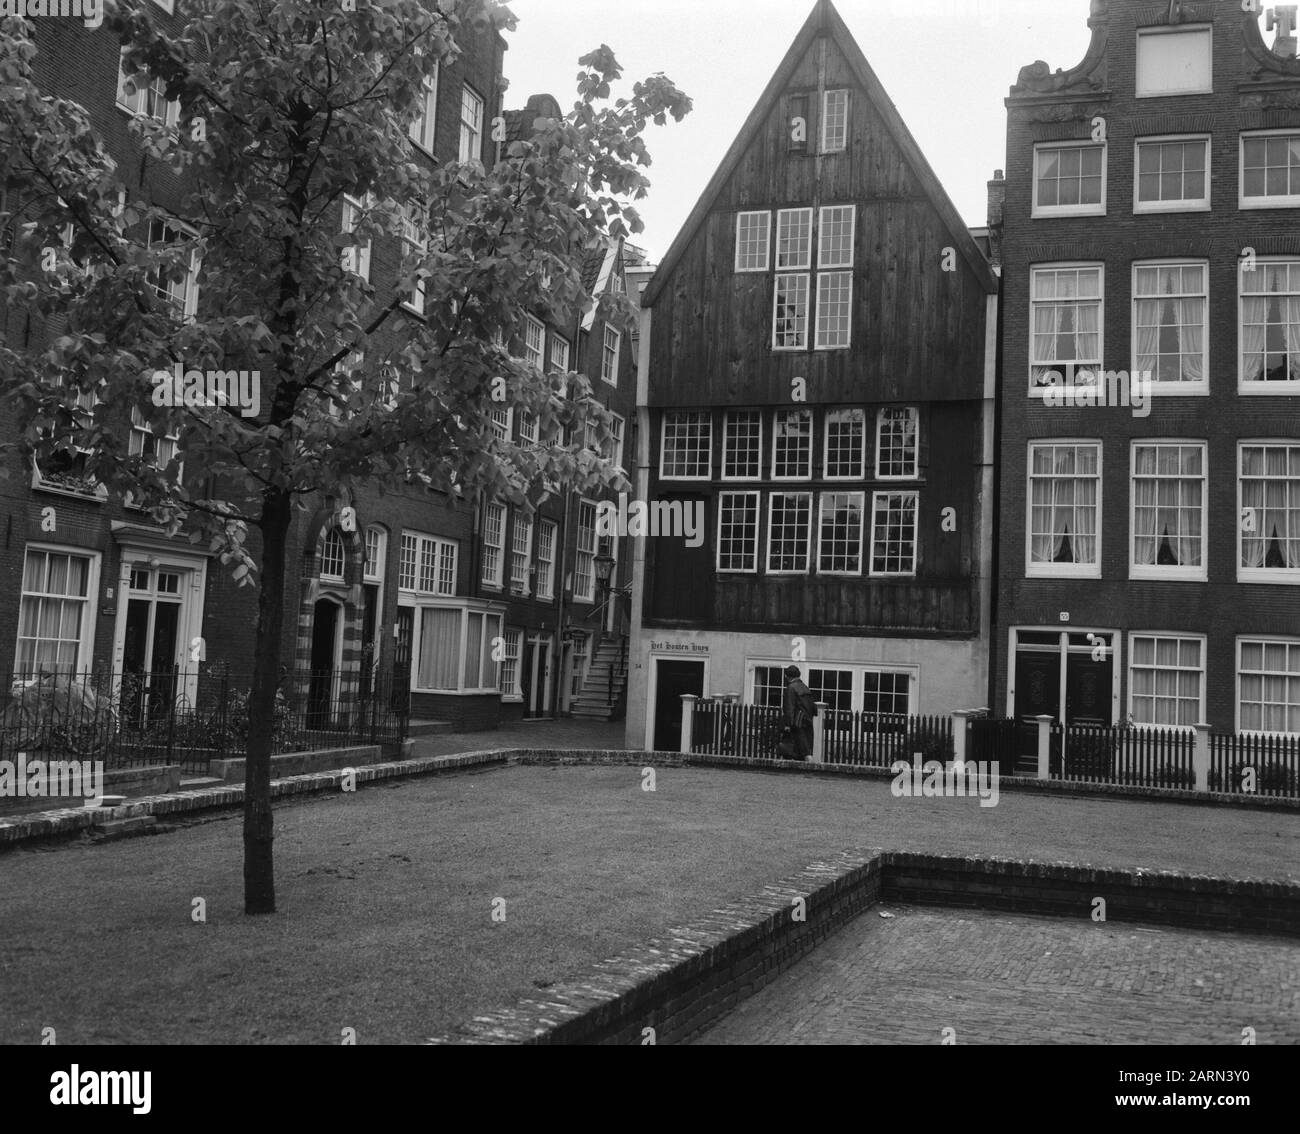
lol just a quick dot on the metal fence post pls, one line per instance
(688, 712)
(1044, 746)
(1201, 757)
(819, 733)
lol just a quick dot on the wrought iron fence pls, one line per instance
(879, 739)
(131, 719)
(1258, 765)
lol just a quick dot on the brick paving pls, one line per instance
(1011, 979)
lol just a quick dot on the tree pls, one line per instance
(285, 109)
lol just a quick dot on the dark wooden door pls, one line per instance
(673, 680)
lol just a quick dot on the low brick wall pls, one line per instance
(231, 771)
(471, 713)
(117, 781)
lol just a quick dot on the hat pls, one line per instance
(792, 671)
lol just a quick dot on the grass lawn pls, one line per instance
(385, 895)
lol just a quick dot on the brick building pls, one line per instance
(1149, 537)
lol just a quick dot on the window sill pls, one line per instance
(97, 495)
(1168, 575)
(1049, 213)
(1269, 203)
(1274, 576)
(1172, 207)
(1287, 389)
(1087, 572)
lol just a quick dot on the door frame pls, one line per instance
(1064, 650)
(652, 687)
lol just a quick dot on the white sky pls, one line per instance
(947, 65)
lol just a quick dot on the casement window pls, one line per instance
(56, 613)
(790, 312)
(179, 290)
(527, 427)
(897, 432)
(584, 568)
(1269, 499)
(793, 239)
(145, 96)
(871, 690)
(887, 691)
(521, 553)
(1173, 174)
(1069, 179)
(742, 445)
(494, 539)
(426, 116)
(1170, 306)
(796, 122)
(839, 538)
(834, 310)
(835, 121)
(893, 533)
(511, 649)
(1270, 169)
(609, 357)
(64, 470)
(454, 649)
(1268, 685)
(767, 686)
(153, 449)
(1169, 510)
(535, 340)
(753, 241)
(846, 442)
(1064, 529)
(427, 565)
(738, 532)
(356, 257)
(415, 242)
(1166, 680)
(499, 419)
(376, 554)
(686, 445)
(581, 663)
(1065, 323)
(331, 556)
(832, 688)
(836, 225)
(545, 588)
(789, 533)
(1270, 326)
(612, 450)
(559, 350)
(792, 444)
(471, 125)
(1174, 61)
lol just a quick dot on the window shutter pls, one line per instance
(922, 442)
(797, 107)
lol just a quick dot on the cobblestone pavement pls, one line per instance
(563, 733)
(1009, 979)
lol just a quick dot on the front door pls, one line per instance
(673, 679)
(324, 637)
(401, 692)
(1088, 688)
(536, 675)
(1038, 693)
(528, 676)
(151, 646)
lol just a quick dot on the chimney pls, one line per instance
(997, 198)
(1283, 18)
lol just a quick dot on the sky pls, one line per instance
(946, 64)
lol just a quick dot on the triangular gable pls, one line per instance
(825, 16)
(602, 280)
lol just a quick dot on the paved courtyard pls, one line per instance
(1005, 979)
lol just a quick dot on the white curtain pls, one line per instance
(439, 648)
(1191, 318)
(1146, 506)
(1252, 496)
(1254, 337)
(1148, 336)
(1292, 313)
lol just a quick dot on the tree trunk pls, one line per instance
(259, 872)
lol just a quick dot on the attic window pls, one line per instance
(1174, 61)
(835, 121)
(797, 118)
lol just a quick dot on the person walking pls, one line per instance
(798, 709)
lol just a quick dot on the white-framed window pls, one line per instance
(897, 443)
(1268, 685)
(613, 449)
(1173, 174)
(331, 556)
(686, 445)
(145, 95)
(471, 124)
(738, 532)
(1174, 61)
(527, 427)
(1269, 326)
(835, 121)
(1170, 325)
(415, 242)
(790, 311)
(793, 239)
(356, 257)
(842, 686)
(834, 310)
(494, 541)
(1063, 535)
(893, 533)
(182, 293)
(1166, 679)
(521, 552)
(609, 356)
(789, 533)
(500, 419)
(742, 445)
(581, 663)
(427, 564)
(753, 241)
(1270, 169)
(836, 229)
(1065, 309)
(767, 686)
(376, 554)
(846, 445)
(887, 691)
(546, 530)
(1268, 488)
(1069, 179)
(155, 450)
(832, 688)
(559, 348)
(584, 567)
(56, 612)
(792, 444)
(839, 533)
(64, 470)
(453, 650)
(426, 117)
(535, 343)
(510, 653)
(1169, 515)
